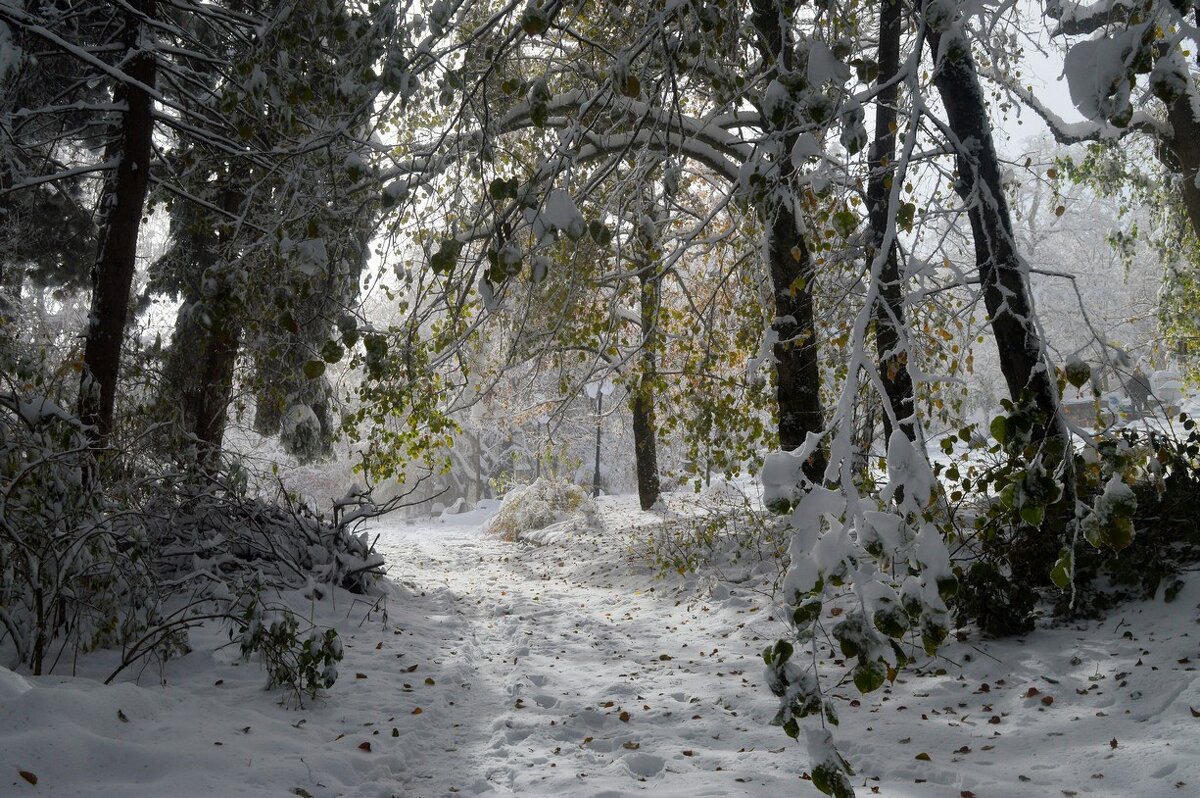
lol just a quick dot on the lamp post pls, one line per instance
(598, 390)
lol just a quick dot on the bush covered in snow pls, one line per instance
(728, 532)
(208, 529)
(537, 506)
(126, 554)
(75, 569)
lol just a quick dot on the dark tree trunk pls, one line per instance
(1026, 368)
(645, 443)
(121, 207)
(208, 332)
(206, 400)
(1004, 281)
(1184, 148)
(889, 308)
(798, 372)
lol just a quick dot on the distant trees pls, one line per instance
(251, 127)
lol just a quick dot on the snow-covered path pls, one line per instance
(568, 669)
(575, 674)
(582, 674)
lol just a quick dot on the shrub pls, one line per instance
(303, 664)
(537, 506)
(113, 553)
(1133, 526)
(730, 529)
(75, 571)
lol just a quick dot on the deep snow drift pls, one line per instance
(570, 669)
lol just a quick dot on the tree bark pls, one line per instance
(889, 308)
(798, 372)
(121, 207)
(1003, 278)
(1023, 360)
(645, 441)
(1184, 147)
(208, 329)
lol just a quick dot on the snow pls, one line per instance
(557, 214)
(10, 54)
(825, 67)
(572, 669)
(1096, 73)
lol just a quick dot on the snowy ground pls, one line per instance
(569, 669)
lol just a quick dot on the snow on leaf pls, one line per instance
(1097, 78)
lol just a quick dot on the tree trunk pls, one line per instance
(798, 373)
(1023, 360)
(645, 444)
(121, 212)
(889, 308)
(1184, 147)
(216, 387)
(1005, 284)
(208, 332)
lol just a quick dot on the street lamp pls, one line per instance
(597, 390)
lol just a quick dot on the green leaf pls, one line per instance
(947, 587)
(892, 621)
(500, 188)
(535, 21)
(845, 223)
(869, 676)
(791, 728)
(1060, 574)
(443, 261)
(1033, 514)
(999, 428)
(832, 781)
(539, 114)
(905, 216)
(866, 68)
(600, 232)
(332, 352)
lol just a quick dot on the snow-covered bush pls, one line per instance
(537, 506)
(730, 530)
(118, 552)
(1140, 513)
(300, 433)
(207, 529)
(302, 664)
(75, 571)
